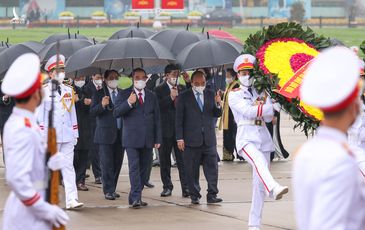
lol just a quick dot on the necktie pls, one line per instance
(97, 88)
(114, 96)
(140, 99)
(200, 103)
(59, 89)
(250, 90)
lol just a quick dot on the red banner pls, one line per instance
(172, 4)
(143, 4)
(291, 88)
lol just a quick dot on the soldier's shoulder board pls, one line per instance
(27, 122)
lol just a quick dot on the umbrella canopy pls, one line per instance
(60, 36)
(176, 40)
(129, 53)
(8, 56)
(208, 53)
(36, 46)
(135, 32)
(221, 34)
(79, 64)
(67, 48)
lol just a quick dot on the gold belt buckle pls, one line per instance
(258, 122)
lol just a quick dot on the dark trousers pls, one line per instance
(111, 160)
(139, 162)
(165, 164)
(207, 155)
(94, 158)
(80, 164)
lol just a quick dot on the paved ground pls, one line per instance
(176, 212)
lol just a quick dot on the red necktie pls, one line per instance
(140, 98)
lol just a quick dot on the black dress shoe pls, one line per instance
(195, 200)
(116, 195)
(185, 193)
(149, 185)
(109, 196)
(98, 180)
(213, 200)
(166, 192)
(136, 204)
(143, 204)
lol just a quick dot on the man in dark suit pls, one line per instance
(167, 94)
(83, 120)
(139, 110)
(108, 133)
(94, 85)
(196, 110)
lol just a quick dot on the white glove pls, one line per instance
(75, 142)
(51, 213)
(276, 106)
(57, 161)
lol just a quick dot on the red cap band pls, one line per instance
(344, 103)
(37, 84)
(245, 66)
(54, 65)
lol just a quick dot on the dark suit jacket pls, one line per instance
(106, 124)
(167, 109)
(141, 123)
(193, 126)
(83, 120)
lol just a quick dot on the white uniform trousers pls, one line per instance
(68, 172)
(262, 181)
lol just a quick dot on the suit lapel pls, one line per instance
(206, 100)
(193, 98)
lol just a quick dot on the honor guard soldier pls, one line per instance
(65, 121)
(253, 141)
(328, 188)
(26, 176)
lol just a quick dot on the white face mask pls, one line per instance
(199, 89)
(229, 81)
(98, 82)
(246, 80)
(173, 81)
(60, 77)
(80, 83)
(113, 84)
(140, 84)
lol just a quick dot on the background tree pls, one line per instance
(297, 12)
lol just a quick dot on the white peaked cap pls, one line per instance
(244, 61)
(23, 77)
(52, 62)
(331, 82)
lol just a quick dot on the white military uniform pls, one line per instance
(26, 171)
(253, 141)
(65, 122)
(328, 188)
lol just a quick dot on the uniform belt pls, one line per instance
(251, 122)
(39, 185)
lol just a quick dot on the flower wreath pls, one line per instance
(283, 52)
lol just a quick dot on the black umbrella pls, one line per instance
(133, 31)
(129, 53)
(176, 40)
(79, 64)
(67, 48)
(8, 56)
(208, 53)
(36, 46)
(61, 36)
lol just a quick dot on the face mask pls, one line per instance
(229, 81)
(98, 82)
(246, 80)
(60, 77)
(113, 84)
(80, 83)
(140, 84)
(199, 89)
(173, 81)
